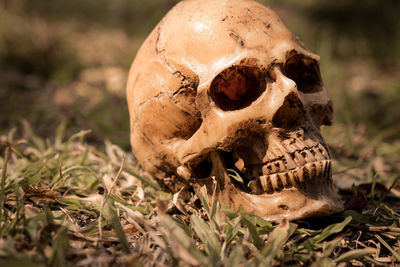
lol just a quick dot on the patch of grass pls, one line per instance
(65, 202)
(73, 199)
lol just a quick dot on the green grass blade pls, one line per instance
(257, 241)
(232, 230)
(59, 134)
(234, 175)
(206, 234)
(111, 215)
(205, 201)
(184, 248)
(213, 212)
(228, 212)
(330, 230)
(60, 248)
(276, 241)
(36, 141)
(354, 254)
(357, 217)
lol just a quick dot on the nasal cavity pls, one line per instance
(291, 114)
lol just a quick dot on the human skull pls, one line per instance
(222, 94)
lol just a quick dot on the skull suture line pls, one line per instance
(222, 86)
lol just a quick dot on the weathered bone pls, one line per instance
(223, 84)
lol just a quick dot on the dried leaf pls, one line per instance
(357, 202)
(41, 193)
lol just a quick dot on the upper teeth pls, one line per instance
(315, 171)
(296, 159)
(294, 168)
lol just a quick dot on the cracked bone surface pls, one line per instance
(222, 88)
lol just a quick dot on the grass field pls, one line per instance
(71, 192)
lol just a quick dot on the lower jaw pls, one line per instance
(290, 204)
(318, 198)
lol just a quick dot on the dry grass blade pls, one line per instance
(383, 242)
(145, 180)
(3, 180)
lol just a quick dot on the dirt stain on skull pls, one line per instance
(237, 38)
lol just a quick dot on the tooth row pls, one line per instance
(316, 171)
(296, 159)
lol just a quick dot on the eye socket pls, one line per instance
(237, 87)
(305, 73)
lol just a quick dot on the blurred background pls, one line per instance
(67, 61)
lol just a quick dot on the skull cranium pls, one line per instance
(222, 91)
